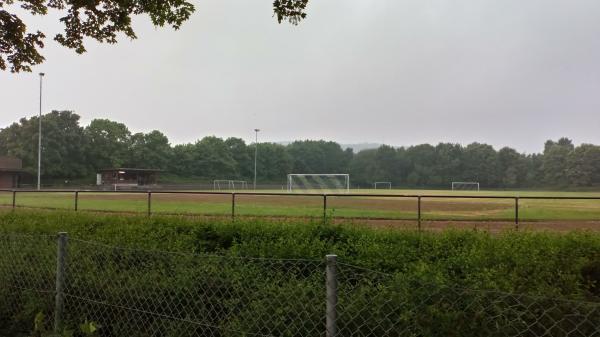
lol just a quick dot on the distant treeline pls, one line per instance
(71, 151)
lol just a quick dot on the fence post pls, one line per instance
(76, 200)
(149, 203)
(332, 296)
(419, 213)
(233, 206)
(61, 264)
(517, 212)
(14, 201)
(324, 206)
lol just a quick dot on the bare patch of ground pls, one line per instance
(366, 203)
(491, 226)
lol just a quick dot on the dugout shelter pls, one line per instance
(126, 177)
(11, 171)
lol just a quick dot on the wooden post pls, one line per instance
(233, 206)
(61, 264)
(324, 207)
(332, 296)
(419, 213)
(517, 212)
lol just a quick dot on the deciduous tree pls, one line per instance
(101, 20)
(63, 144)
(109, 143)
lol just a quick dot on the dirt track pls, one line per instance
(442, 208)
(371, 203)
(491, 226)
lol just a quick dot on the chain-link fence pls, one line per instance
(378, 304)
(27, 280)
(131, 292)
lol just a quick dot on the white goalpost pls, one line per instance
(382, 185)
(318, 182)
(465, 186)
(226, 184)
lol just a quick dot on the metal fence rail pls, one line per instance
(132, 292)
(323, 196)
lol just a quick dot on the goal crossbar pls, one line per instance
(219, 184)
(386, 184)
(319, 180)
(457, 184)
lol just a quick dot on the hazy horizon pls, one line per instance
(508, 73)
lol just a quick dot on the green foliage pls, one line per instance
(109, 143)
(38, 323)
(39, 328)
(274, 162)
(17, 46)
(480, 164)
(75, 153)
(241, 155)
(555, 162)
(511, 261)
(429, 274)
(583, 163)
(292, 10)
(87, 328)
(311, 156)
(101, 20)
(63, 144)
(149, 150)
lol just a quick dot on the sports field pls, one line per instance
(438, 205)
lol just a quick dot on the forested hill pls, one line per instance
(72, 151)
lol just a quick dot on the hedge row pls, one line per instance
(430, 284)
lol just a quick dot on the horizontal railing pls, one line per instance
(378, 195)
(418, 197)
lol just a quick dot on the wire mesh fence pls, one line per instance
(27, 279)
(166, 294)
(132, 292)
(378, 304)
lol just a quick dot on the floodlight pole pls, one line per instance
(255, 153)
(39, 170)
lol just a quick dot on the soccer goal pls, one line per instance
(229, 185)
(465, 186)
(336, 183)
(385, 185)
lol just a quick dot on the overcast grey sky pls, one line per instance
(401, 72)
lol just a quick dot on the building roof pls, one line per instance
(10, 163)
(130, 169)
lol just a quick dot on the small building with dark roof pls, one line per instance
(125, 177)
(11, 170)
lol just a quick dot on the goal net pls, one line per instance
(465, 186)
(229, 185)
(335, 183)
(386, 185)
